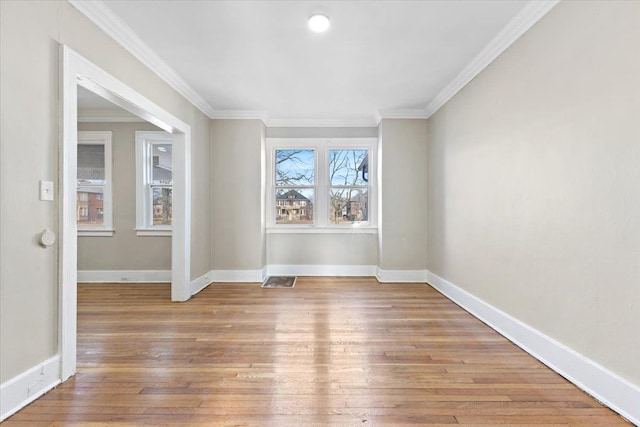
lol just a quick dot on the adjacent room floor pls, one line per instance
(331, 351)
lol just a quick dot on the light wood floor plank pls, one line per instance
(329, 352)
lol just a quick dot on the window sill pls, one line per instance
(146, 232)
(321, 230)
(95, 233)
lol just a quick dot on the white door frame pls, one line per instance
(76, 70)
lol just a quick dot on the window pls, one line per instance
(321, 184)
(94, 200)
(154, 189)
(348, 186)
(294, 184)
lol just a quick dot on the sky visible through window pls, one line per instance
(295, 167)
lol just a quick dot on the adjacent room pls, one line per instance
(319, 213)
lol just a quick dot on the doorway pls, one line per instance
(78, 71)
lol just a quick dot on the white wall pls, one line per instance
(125, 250)
(30, 33)
(403, 230)
(534, 182)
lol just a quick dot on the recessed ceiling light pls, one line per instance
(319, 23)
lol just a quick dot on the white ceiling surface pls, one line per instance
(88, 100)
(260, 56)
(94, 108)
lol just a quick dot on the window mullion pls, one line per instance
(321, 187)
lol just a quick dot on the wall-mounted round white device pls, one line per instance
(47, 238)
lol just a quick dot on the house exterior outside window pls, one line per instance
(154, 183)
(94, 211)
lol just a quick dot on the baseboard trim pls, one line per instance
(596, 380)
(124, 276)
(401, 276)
(23, 389)
(249, 276)
(320, 270)
(383, 276)
(201, 282)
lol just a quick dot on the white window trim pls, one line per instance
(144, 224)
(106, 229)
(321, 146)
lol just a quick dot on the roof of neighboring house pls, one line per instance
(91, 190)
(288, 194)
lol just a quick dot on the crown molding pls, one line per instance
(520, 24)
(403, 113)
(240, 115)
(108, 116)
(363, 122)
(101, 15)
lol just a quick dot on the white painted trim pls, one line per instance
(401, 276)
(403, 113)
(201, 282)
(124, 276)
(23, 389)
(283, 229)
(101, 15)
(320, 270)
(77, 70)
(68, 228)
(530, 14)
(107, 116)
(322, 147)
(95, 233)
(103, 138)
(604, 385)
(144, 204)
(150, 232)
(248, 276)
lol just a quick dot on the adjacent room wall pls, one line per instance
(125, 250)
(237, 195)
(402, 233)
(30, 33)
(534, 182)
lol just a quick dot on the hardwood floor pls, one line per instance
(331, 351)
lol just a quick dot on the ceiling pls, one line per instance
(258, 58)
(89, 101)
(94, 108)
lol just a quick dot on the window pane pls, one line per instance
(294, 206)
(348, 205)
(162, 205)
(348, 167)
(91, 164)
(161, 158)
(90, 208)
(295, 167)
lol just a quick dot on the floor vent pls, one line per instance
(280, 282)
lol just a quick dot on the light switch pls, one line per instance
(46, 190)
